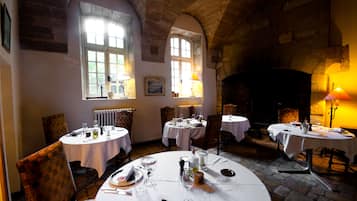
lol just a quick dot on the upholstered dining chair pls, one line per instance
(287, 115)
(54, 127)
(45, 175)
(212, 132)
(167, 113)
(229, 109)
(124, 119)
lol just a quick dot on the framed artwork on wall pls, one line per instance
(5, 28)
(154, 86)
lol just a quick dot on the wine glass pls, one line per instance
(149, 165)
(186, 184)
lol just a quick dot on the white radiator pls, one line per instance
(108, 116)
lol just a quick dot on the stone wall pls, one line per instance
(294, 35)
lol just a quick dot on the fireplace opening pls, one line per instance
(259, 95)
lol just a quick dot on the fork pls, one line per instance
(116, 191)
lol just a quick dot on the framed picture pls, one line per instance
(154, 86)
(5, 28)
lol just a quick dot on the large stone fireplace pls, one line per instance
(259, 95)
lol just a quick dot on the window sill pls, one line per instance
(191, 97)
(108, 99)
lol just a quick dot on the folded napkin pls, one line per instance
(126, 175)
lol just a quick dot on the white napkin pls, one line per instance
(125, 174)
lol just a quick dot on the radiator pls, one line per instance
(107, 116)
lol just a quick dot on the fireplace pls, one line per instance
(259, 95)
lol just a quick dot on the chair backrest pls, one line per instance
(167, 114)
(229, 109)
(54, 127)
(124, 119)
(287, 115)
(212, 132)
(45, 175)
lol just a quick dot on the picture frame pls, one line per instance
(154, 86)
(5, 28)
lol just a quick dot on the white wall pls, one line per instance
(52, 84)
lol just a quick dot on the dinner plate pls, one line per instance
(114, 180)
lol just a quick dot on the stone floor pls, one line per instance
(260, 156)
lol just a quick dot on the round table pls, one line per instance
(245, 185)
(183, 132)
(95, 153)
(237, 125)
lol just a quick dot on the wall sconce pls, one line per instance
(334, 96)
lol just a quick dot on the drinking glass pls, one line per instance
(186, 184)
(84, 128)
(149, 165)
(203, 157)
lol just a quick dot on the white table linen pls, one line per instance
(95, 153)
(182, 132)
(245, 185)
(295, 142)
(237, 125)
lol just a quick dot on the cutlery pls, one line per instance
(116, 191)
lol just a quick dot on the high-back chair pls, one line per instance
(54, 127)
(212, 132)
(167, 113)
(45, 175)
(229, 109)
(124, 119)
(287, 115)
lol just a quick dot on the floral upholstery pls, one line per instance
(167, 114)
(287, 115)
(45, 175)
(54, 126)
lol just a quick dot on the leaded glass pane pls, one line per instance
(92, 77)
(92, 56)
(92, 67)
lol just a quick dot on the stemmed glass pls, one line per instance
(149, 165)
(186, 183)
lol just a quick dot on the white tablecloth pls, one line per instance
(237, 125)
(182, 132)
(95, 153)
(244, 186)
(295, 142)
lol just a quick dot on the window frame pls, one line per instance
(180, 59)
(107, 50)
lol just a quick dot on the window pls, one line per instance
(185, 67)
(107, 71)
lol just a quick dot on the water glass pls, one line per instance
(203, 157)
(84, 128)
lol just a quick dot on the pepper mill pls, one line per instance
(182, 163)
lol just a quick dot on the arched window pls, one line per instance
(186, 68)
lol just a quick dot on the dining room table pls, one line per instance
(95, 152)
(236, 125)
(163, 181)
(183, 130)
(295, 141)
